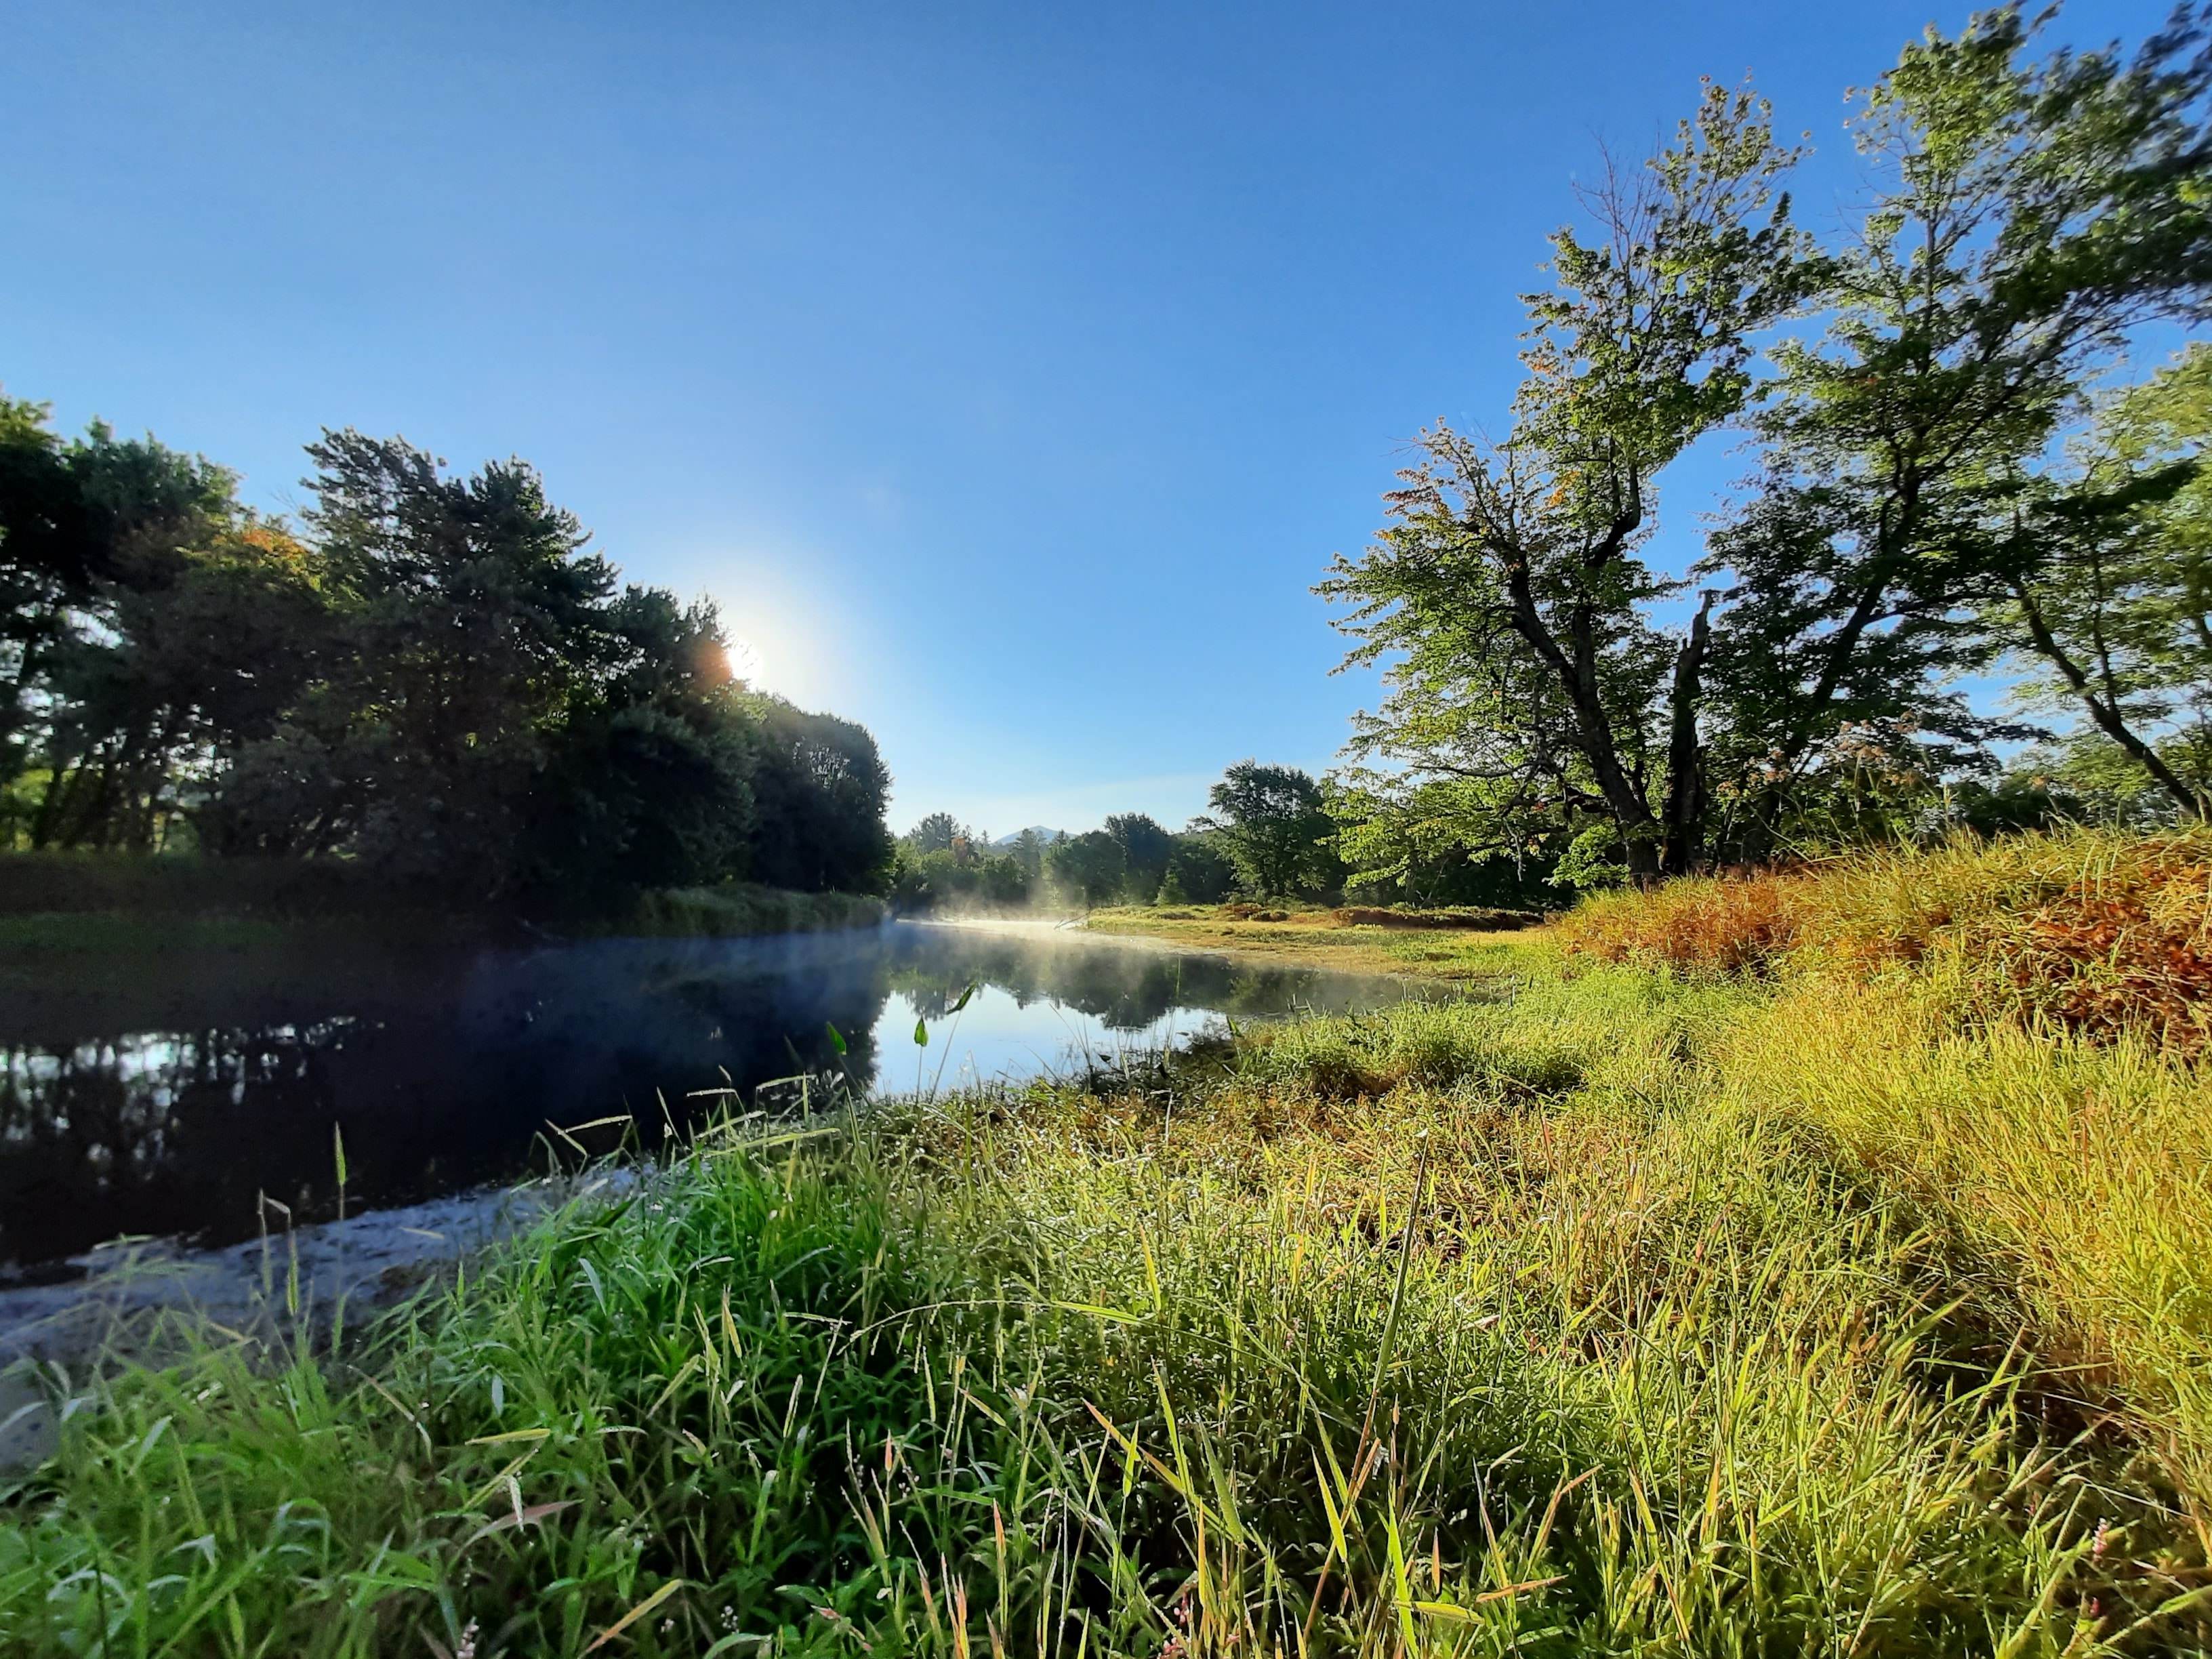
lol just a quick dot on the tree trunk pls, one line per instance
(1578, 678)
(1685, 804)
(61, 783)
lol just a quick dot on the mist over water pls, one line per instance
(168, 1107)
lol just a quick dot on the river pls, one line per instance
(169, 1099)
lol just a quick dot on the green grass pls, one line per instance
(168, 970)
(104, 933)
(1531, 1326)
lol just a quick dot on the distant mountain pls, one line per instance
(1036, 830)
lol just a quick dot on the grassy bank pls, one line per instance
(1654, 1307)
(1318, 937)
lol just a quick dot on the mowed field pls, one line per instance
(1493, 945)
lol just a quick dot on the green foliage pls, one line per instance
(961, 877)
(1507, 595)
(2114, 618)
(1412, 841)
(938, 833)
(1270, 823)
(434, 680)
(1906, 524)
(1147, 849)
(1132, 860)
(2030, 213)
(1028, 851)
(188, 601)
(819, 790)
(1089, 869)
(942, 863)
(1202, 869)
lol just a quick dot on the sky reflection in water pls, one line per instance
(164, 1100)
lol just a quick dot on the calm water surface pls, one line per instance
(167, 1102)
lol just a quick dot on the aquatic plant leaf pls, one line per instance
(921, 1034)
(836, 1037)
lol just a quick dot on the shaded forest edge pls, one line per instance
(43, 896)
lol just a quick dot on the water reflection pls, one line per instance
(167, 1110)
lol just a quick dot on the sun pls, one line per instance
(745, 660)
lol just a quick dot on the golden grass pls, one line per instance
(2010, 1037)
(2079, 1173)
(2090, 931)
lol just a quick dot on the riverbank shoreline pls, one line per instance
(105, 1305)
(1754, 1301)
(47, 900)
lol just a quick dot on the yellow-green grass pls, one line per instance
(1629, 1313)
(2076, 1173)
(2006, 1036)
(1315, 937)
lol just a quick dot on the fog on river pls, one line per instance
(168, 1102)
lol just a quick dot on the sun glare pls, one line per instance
(745, 660)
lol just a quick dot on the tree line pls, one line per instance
(1951, 474)
(430, 675)
(1269, 832)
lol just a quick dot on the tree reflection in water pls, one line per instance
(111, 1124)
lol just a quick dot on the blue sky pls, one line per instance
(1007, 371)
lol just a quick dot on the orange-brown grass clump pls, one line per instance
(2123, 947)
(1725, 924)
(2089, 930)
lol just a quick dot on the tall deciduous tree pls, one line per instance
(1271, 821)
(469, 620)
(1146, 849)
(2028, 215)
(2114, 613)
(821, 786)
(147, 614)
(1090, 866)
(936, 833)
(1511, 577)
